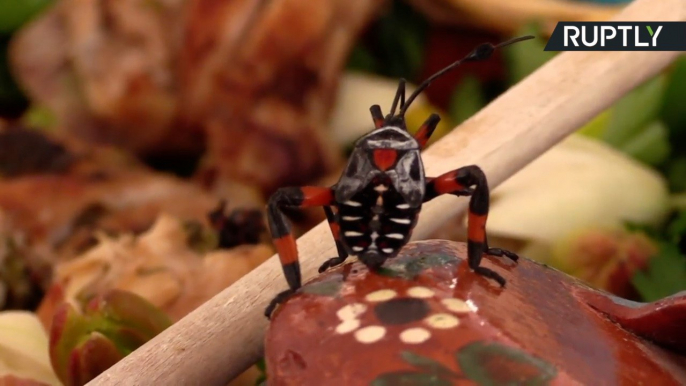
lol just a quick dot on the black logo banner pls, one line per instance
(618, 36)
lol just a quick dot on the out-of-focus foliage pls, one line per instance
(467, 100)
(394, 47)
(15, 13)
(84, 343)
(523, 59)
(648, 124)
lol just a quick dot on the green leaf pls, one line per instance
(409, 378)
(427, 364)
(676, 174)
(596, 127)
(634, 112)
(679, 201)
(650, 145)
(467, 99)
(492, 363)
(361, 60)
(672, 111)
(396, 45)
(676, 230)
(17, 12)
(523, 59)
(262, 367)
(665, 276)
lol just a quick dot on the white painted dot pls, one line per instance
(353, 233)
(420, 292)
(415, 335)
(352, 203)
(442, 321)
(351, 218)
(398, 236)
(387, 250)
(358, 249)
(381, 295)
(403, 206)
(401, 220)
(351, 311)
(348, 326)
(456, 305)
(370, 334)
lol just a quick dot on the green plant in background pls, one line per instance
(84, 344)
(14, 14)
(396, 46)
(648, 124)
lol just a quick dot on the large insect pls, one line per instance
(379, 196)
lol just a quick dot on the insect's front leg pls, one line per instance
(282, 235)
(459, 182)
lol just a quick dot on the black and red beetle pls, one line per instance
(379, 196)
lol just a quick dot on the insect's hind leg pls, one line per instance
(283, 237)
(335, 231)
(459, 181)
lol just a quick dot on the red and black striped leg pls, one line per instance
(335, 231)
(377, 116)
(283, 237)
(424, 133)
(458, 182)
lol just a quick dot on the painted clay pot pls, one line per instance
(426, 319)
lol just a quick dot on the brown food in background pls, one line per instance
(161, 265)
(57, 212)
(256, 78)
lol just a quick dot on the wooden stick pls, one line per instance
(224, 336)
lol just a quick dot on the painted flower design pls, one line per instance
(409, 309)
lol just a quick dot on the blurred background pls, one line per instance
(140, 140)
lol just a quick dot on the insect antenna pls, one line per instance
(399, 95)
(481, 52)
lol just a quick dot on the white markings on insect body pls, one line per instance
(351, 218)
(395, 236)
(387, 250)
(381, 188)
(352, 203)
(358, 249)
(353, 234)
(403, 206)
(401, 220)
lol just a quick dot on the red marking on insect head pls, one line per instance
(385, 158)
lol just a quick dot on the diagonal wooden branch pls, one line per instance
(224, 336)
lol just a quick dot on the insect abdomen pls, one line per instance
(376, 222)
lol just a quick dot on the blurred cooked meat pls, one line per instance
(104, 191)
(159, 265)
(254, 79)
(28, 152)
